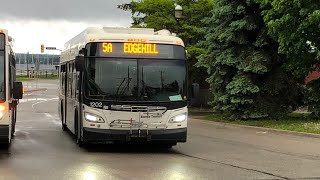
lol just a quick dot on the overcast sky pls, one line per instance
(33, 22)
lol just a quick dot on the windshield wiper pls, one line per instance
(117, 94)
(124, 89)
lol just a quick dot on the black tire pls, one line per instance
(63, 126)
(167, 145)
(80, 142)
(14, 120)
(77, 131)
(5, 144)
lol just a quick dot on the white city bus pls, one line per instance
(10, 90)
(124, 85)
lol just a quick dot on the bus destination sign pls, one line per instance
(132, 48)
(136, 50)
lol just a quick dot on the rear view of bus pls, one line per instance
(125, 84)
(10, 90)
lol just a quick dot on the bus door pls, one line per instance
(70, 96)
(63, 92)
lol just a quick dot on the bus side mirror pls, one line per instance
(79, 63)
(17, 90)
(83, 51)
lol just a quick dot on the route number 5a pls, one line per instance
(96, 104)
(107, 47)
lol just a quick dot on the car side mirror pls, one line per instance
(80, 63)
(17, 90)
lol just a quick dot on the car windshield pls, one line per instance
(136, 79)
(2, 90)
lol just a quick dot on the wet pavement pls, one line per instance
(41, 150)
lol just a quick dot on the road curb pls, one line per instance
(261, 129)
(35, 90)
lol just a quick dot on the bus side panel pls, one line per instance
(7, 124)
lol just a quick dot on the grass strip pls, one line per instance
(298, 122)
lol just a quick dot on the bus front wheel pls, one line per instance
(14, 120)
(63, 126)
(78, 131)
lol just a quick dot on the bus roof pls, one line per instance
(3, 31)
(93, 34)
(110, 34)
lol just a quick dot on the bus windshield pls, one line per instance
(118, 79)
(2, 83)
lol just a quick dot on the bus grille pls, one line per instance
(129, 108)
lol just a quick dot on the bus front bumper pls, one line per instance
(91, 135)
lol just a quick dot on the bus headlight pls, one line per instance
(179, 118)
(93, 118)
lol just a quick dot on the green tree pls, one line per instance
(244, 65)
(312, 99)
(295, 25)
(159, 14)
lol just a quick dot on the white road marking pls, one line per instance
(46, 100)
(263, 132)
(31, 99)
(56, 122)
(21, 131)
(53, 120)
(48, 115)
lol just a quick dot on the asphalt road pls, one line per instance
(41, 150)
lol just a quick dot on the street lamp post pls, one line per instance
(178, 12)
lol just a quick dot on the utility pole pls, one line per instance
(27, 64)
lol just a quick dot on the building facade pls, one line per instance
(36, 62)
